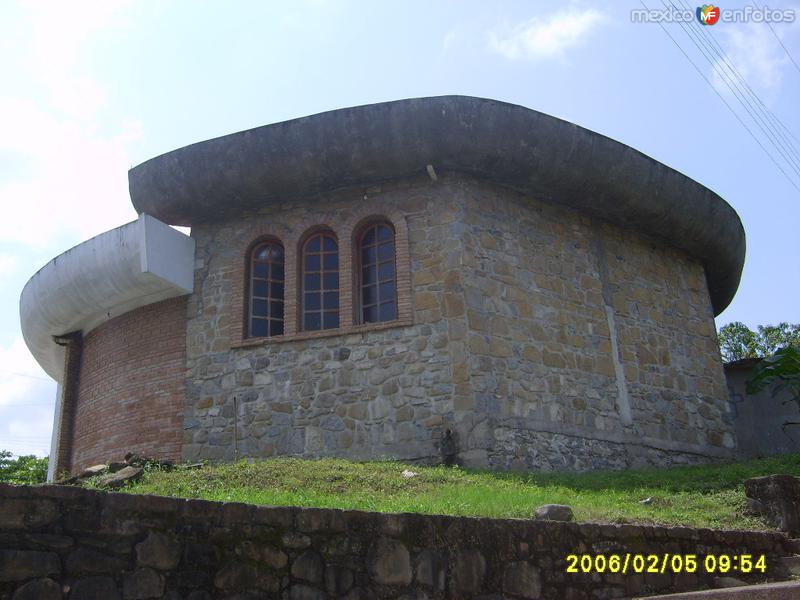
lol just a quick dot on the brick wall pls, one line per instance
(112, 546)
(131, 386)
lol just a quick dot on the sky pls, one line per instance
(92, 88)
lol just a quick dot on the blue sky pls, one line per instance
(91, 88)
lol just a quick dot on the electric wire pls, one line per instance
(725, 102)
(762, 122)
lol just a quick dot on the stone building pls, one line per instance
(446, 278)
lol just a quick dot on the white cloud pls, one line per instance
(548, 37)
(756, 55)
(74, 181)
(27, 397)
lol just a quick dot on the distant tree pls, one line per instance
(23, 470)
(738, 341)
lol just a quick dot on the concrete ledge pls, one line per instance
(533, 153)
(784, 590)
(128, 267)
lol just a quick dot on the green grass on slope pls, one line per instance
(704, 496)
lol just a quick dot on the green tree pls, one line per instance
(23, 470)
(738, 341)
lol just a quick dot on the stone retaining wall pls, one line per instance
(63, 542)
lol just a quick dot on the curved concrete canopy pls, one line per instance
(131, 266)
(533, 153)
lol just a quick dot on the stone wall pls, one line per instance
(542, 339)
(92, 545)
(130, 387)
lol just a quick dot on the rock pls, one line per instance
(120, 478)
(305, 592)
(308, 567)
(86, 561)
(338, 580)
(522, 579)
(431, 569)
(159, 551)
(95, 588)
(116, 465)
(142, 584)
(408, 474)
(469, 570)
(390, 563)
(777, 499)
(238, 576)
(24, 514)
(39, 589)
(93, 471)
(19, 565)
(554, 512)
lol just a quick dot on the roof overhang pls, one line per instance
(536, 154)
(140, 263)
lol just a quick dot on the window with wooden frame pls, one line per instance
(377, 272)
(266, 288)
(320, 282)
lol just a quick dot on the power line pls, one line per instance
(4, 372)
(709, 42)
(735, 114)
(785, 49)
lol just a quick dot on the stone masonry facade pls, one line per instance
(530, 337)
(58, 542)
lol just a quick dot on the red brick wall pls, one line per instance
(131, 386)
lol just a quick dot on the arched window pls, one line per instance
(266, 290)
(320, 282)
(378, 274)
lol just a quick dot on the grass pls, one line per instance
(699, 496)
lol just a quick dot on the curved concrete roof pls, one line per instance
(533, 153)
(131, 266)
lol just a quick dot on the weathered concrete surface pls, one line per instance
(526, 150)
(784, 590)
(760, 419)
(131, 266)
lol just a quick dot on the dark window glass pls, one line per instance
(369, 275)
(312, 262)
(259, 308)
(266, 290)
(386, 252)
(312, 301)
(312, 281)
(259, 328)
(261, 270)
(320, 276)
(370, 314)
(388, 311)
(260, 288)
(312, 321)
(330, 300)
(386, 271)
(275, 327)
(376, 249)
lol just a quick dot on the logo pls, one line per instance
(708, 14)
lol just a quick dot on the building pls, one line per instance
(447, 278)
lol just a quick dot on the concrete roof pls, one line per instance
(536, 154)
(106, 276)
